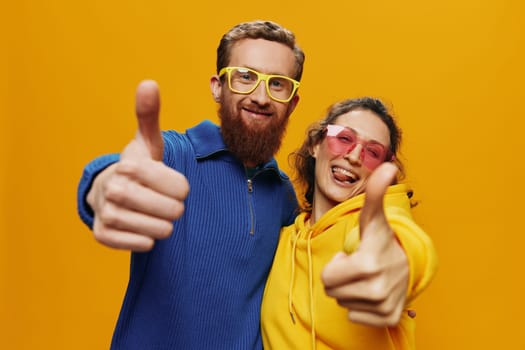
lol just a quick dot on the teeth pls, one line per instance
(344, 172)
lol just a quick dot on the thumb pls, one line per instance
(372, 212)
(147, 107)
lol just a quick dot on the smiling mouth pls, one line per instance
(344, 175)
(257, 114)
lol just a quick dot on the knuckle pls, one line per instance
(177, 209)
(182, 181)
(378, 291)
(145, 246)
(100, 235)
(127, 167)
(166, 230)
(108, 215)
(386, 309)
(325, 277)
(116, 191)
(329, 276)
(392, 315)
(369, 265)
(183, 186)
(392, 321)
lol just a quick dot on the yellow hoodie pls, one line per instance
(294, 292)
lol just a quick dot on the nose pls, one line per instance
(354, 155)
(260, 95)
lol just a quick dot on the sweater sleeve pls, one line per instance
(418, 246)
(90, 172)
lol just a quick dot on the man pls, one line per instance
(200, 287)
(201, 258)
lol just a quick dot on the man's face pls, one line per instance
(253, 125)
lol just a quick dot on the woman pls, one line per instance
(334, 165)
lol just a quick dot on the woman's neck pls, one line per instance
(319, 208)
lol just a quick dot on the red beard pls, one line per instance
(251, 144)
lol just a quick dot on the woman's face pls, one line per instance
(348, 154)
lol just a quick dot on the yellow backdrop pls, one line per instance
(453, 71)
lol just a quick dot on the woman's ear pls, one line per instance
(216, 88)
(314, 150)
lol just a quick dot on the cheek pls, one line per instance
(326, 153)
(319, 170)
(365, 173)
(282, 110)
(322, 166)
(229, 102)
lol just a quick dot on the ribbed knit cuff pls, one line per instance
(90, 172)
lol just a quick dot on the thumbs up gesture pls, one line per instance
(136, 200)
(371, 282)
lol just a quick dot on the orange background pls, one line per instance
(453, 71)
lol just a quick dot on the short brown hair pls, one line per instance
(259, 29)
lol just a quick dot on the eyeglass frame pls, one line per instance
(365, 160)
(260, 76)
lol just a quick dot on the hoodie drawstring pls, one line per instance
(310, 283)
(292, 277)
(311, 288)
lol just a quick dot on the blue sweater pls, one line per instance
(202, 287)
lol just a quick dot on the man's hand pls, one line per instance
(136, 200)
(371, 282)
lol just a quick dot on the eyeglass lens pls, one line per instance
(246, 80)
(342, 140)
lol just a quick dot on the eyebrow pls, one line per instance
(258, 70)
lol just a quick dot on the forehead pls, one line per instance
(265, 56)
(367, 124)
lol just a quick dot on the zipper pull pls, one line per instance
(250, 186)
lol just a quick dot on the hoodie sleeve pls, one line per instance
(418, 246)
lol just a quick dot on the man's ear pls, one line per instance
(216, 88)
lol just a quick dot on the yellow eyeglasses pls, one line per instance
(245, 80)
